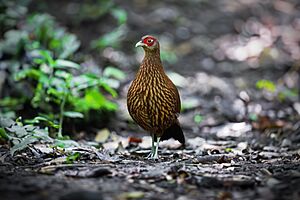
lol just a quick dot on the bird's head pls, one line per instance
(148, 42)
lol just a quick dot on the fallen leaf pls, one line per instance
(134, 140)
(146, 142)
(132, 195)
(102, 135)
(233, 130)
(115, 144)
(264, 122)
(170, 144)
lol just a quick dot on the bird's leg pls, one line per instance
(152, 147)
(155, 156)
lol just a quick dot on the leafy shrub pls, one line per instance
(37, 56)
(39, 64)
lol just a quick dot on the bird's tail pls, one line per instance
(174, 131)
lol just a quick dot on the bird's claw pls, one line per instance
(150, 155)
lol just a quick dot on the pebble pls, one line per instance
(286, 143)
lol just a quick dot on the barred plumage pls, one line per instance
(153, 100)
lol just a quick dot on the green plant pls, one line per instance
(114, 37)
(45, 33)
(41, 70)
(266, 84)
(58, 92)
(198, 118)
(281, 92)
(111, 39)
(73, 157)
(21, 135)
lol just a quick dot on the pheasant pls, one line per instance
(153, 100)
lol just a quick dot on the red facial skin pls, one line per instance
(149, 41)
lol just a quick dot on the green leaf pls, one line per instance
(27, 73)
(42, 134)
(190, 103)
(198, 118)
(83, 82)
(110, 106)
(57, 94)
(13, 41)
(253, 117)
(114, 72)
(6, 122)
(108, 89)
(287, 93)
(112, 38)
(70, 45)
(3, 134)
(40, 119)
(20, 131)
(38, 95)
(12, 102)
(47, 56)
(73, 114)
(66, 63)
(23, 144)
(65, 143)
(266, 84)
(93, 99)
(120, 15)
(63, 74)
(73, 157)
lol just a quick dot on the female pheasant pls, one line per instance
(153, 100)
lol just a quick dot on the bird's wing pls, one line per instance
(175, 98)
(137, 108)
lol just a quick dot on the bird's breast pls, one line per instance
(150, 103)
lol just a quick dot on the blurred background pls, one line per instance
(66, 65)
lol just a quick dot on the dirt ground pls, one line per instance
(227, 156)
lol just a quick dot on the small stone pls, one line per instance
(286, 143)
(271, 182)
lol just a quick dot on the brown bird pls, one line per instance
(153, 100)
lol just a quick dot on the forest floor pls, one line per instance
(242, 143)
(228, 171)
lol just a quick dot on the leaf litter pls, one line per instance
(229, 167)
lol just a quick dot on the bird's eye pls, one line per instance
(149, 41)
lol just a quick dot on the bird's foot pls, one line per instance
(150, 155)
(154, 149)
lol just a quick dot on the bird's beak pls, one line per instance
(139, 44)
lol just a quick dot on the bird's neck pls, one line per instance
(151, 61)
